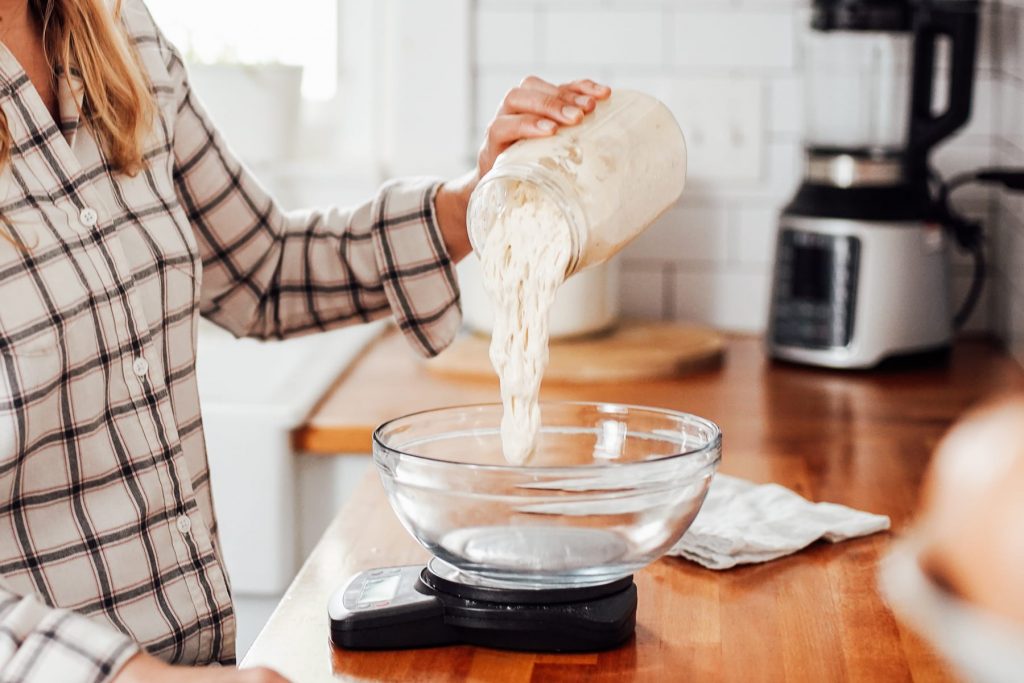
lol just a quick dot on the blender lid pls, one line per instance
(862, 15)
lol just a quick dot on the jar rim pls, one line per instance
(545, 180)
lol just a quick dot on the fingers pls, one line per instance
(535, 109)
(563, 107)
(535, 83)
(565, 104)
(588, 87)
(507, 128)
(583, 86)
(585, 93)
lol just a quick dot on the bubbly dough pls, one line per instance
(613, 174)
(525, 258)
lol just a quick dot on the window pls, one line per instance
(298, 32)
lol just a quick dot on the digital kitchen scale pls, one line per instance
(415, 606)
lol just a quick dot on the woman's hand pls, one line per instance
(143, 668)
(535, 109)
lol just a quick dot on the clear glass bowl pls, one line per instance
(610, 489)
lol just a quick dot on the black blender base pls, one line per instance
(433, 612)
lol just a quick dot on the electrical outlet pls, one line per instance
(722, 120)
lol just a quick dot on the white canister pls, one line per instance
(588, 303)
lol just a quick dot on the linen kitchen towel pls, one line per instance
(742, 522)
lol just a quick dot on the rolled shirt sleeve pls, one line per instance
(268, 273)
(415, 269)
(40, 644)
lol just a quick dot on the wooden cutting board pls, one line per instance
(632, 351)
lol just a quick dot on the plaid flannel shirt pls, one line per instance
(108, 539)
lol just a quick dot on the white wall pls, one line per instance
(1008, 234)
(730, 70)
(420, 80)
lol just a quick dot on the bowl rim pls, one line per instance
(714, 443)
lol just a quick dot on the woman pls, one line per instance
(123, 216)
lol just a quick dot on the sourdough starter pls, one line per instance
(524, 261)
(553, 206)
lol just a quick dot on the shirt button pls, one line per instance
(88, 217)
(140, 366)
(184, 524)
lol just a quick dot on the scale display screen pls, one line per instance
(380, 589)
(813, 274)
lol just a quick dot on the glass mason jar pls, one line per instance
(611, 176)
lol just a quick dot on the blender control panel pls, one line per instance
(815, 289)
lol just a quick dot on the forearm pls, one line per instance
(451, 204)
(301, 272)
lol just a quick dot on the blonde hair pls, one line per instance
(86, 35)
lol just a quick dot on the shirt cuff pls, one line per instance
(415, 269)
(60, 645)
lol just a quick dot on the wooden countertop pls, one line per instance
(861, 439)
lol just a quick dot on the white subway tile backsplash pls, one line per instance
(684, 235)
(1011, 258)
(723, 122)
(1012, 43)
(657, 84)
(731, 70)
(540, 3)
(602, 36)
(1007, 40)
(990, 19)
(490, 90)
(984, 116)
(752, 39)
(1010, 116)
(783, 169)
(505, 36)
(417, 139)
(1012, 202)
(1007, 278)
(752, 234)
(785, 116)
(962, 154)
(730, 300)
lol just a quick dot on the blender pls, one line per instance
(861, 265)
